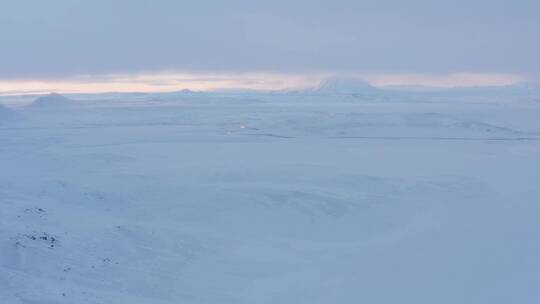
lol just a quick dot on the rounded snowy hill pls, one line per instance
(52, 100)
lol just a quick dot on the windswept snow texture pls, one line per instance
(208, 198)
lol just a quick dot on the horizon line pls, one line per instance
(171, 82)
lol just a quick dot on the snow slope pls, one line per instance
(7, 115)
(281, 201)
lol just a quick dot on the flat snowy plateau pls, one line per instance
(261, 198)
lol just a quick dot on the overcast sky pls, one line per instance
(67, 38)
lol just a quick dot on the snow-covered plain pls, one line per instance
(270, 198)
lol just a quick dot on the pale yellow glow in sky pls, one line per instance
(162, 82)
(167, 82)
(445, 81)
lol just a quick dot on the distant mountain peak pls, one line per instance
(346, 85)
(186, 91)
(52, 100)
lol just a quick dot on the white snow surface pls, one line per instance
(207, 198)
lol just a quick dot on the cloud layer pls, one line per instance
(65, 38)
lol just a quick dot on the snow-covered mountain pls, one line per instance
(346, 85)
(53, 100)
